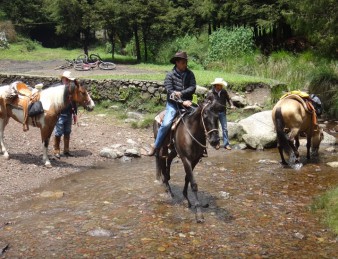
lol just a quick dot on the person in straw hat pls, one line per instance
(222, 97)
(180, 84)
(64, 123)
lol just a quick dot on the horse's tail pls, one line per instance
(283, 140)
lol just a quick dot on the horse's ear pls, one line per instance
(209, 97)
(76, 82)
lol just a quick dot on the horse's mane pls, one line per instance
(54, 95)
(3, 89)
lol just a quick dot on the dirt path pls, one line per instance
(47, 68)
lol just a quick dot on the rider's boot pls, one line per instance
(66, 139)
(153, 150)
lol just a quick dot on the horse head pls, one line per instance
(81, 96)
(317, 137)
(209, 117)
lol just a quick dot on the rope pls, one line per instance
(172, 97)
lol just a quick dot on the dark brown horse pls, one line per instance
(291, 117)
(53, 100)
(189, 141)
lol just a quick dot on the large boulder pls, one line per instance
(259, 130)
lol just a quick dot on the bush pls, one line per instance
(31, 45)
(194, 46)
(325, 84)
(228, 43)
(8, 28)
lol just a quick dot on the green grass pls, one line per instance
(19, 51)
(203, 77)
(22, 51)
(327, 206)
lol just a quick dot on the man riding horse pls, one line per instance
(179, 82)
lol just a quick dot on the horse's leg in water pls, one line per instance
(172, 154)
(308, 146)
(280, 149)
(3, 123)
(297, 142)
(293, 140)
(189, 178)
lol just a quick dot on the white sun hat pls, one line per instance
(219, 81)
(67, 74)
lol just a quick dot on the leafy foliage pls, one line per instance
(325, 84)
(318, 21)
(229, 43)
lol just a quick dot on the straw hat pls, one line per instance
(219, 81)
(179, 55)
(67, 74)
(39, 86)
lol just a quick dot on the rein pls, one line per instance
(203, 123)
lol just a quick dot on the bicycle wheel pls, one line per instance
(107, 66)
(83, 58)
(94, 57)
(82, 67)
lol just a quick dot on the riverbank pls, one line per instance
(24, 170)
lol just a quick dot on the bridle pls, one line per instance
(203, 123)
(70, 92)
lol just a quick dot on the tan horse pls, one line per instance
(291, 117)
(54, 100)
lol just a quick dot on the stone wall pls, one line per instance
(107, 89)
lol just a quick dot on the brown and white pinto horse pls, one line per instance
(54, 100)
(291, 117)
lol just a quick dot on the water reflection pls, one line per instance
(118, 210)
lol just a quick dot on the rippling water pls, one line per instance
(117, 210)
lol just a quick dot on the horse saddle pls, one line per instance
(159, 118)
(305, 100)
(22, 96)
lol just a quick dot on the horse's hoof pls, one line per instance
(6, 157)
(199, 219)
(48, 165)
(205, 205)
(298, 166)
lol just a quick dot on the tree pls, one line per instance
(74, 18)
(22, 12)
(318, 20)
(112, 19)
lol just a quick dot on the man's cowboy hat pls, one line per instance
(219, 81)
(67, 74)
(179, 55)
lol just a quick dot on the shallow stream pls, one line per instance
(257, 209)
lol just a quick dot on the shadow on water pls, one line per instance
(117, 209)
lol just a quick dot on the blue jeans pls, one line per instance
(63, 125)
(223, 120)
(169, 116)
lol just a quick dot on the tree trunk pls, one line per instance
(111, 36)
(137, 43)
(86, 35)
(145, 45)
